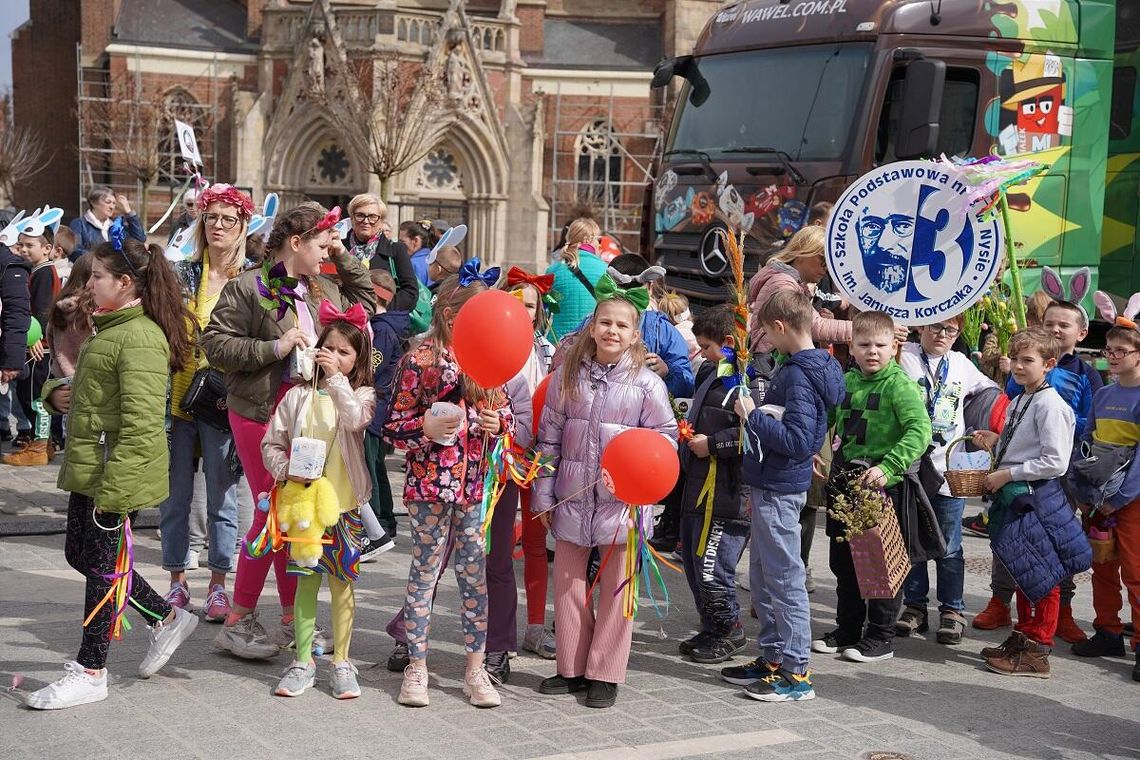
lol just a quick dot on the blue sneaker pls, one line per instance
(784, 687)
(750, 672)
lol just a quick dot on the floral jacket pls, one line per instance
(436, 472)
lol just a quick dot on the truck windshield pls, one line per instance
(800, 101)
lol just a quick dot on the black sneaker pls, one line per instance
(1102, 644)
(687, 646)
(563, 685)
(664, 543)
(1129, 629)
(750, 672)
(371, 550)
(978, 525)
(498, 664)
(784, 687)
(869, 650)
(601, 694)
(832, 642)
(398, 660)
(720, 648)
(1136, 667)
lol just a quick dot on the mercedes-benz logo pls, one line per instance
(712, 258)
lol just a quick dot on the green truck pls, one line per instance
(784, 103)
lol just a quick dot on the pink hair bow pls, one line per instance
(329, 220)
(355, 315)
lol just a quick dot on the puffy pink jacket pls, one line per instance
(777, 276)
(611, 399)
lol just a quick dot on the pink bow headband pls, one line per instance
(355, 315)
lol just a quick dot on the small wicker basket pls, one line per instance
(964, 482)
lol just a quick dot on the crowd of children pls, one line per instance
(750, 451)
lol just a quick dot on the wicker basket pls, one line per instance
(964, 482)
(880, 558)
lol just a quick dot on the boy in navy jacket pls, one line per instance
(807, 385)
(389, 328)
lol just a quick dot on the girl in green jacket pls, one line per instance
(117, 457)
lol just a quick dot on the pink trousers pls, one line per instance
(595, 645)
(251, 573)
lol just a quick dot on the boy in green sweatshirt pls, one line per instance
(883, 421)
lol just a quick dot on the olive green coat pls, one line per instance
(241, 337)
(117, 451)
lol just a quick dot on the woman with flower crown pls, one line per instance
(265, 319)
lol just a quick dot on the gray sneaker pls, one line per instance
(344, 685)
(540, 641)
(246, 639)
(284, 637)
(297, 678)
(165, 638)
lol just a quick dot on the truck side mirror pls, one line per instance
(921, 109)
(686, 67)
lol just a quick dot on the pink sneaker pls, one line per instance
(178, 595)
(217, 604)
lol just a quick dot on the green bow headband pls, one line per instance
(606, 288)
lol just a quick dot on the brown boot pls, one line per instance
(35, 454)
(1032, 661)
(1015, 642)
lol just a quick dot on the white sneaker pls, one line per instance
(76, 687)
(246, 639)
(165, 638)
(480, 687)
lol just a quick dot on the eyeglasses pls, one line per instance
(228, 222)
(370, 218)
(1113, 353)
(948, 330)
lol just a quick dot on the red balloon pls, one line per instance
(640, 466)
(492, 337)
(538, 401)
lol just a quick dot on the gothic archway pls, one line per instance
(310, 162)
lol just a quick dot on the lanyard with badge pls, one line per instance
(942, 407)
(1015, 417)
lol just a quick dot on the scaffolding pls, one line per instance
(602, 156)
(102, 163)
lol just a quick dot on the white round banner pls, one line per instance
(899, 242)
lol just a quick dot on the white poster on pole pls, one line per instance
(187, 142)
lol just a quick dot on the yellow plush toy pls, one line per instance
(305, 512)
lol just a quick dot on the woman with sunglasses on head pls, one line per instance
(219, 240)
(370, 241)
(263, 316)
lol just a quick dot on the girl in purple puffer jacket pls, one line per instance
(603, 388)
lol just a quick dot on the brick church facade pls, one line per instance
(540, 106)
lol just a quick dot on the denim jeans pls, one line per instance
(776, 576)
(951, 569)
(221, 496)
(712, 575)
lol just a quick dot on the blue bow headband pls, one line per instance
(115, 235)
(469, 273)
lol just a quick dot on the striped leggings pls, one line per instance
(589, 643)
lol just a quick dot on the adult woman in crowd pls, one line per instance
(252, 344)
(576, 271)
(103, 205)
(219, 244)
(368, 243)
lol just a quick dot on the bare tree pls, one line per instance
(390, 111)
(22, 153)
(134, 122)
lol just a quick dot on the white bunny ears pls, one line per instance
(1079, 284)
(46, 218)
(453, 236)
(1107, 309)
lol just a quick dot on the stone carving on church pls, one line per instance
(439, 172)
(315, 64)
(462, 91)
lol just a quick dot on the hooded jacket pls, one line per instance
(15, 309)
(808, 386)
(883, 420)
(611, 399)
(387, 347)
(776, 276)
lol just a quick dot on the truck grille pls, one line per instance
(678, 255)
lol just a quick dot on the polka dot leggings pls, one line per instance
(431, 524)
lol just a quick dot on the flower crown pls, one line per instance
(220, 192)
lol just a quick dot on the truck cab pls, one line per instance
(784, 103)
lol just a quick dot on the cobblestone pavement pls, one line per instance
(929, 702)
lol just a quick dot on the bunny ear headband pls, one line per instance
(627, 280)
(1079, 284)
(1107, 309)
(47, 218)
